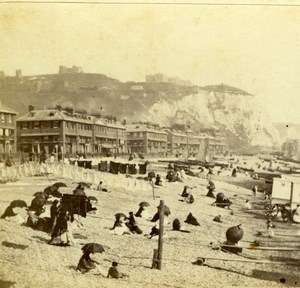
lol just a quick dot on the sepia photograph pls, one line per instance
(149, 144)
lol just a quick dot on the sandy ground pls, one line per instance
(43, 265)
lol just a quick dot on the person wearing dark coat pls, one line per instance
(184, 192)
(192, 220)
(37, 205)
(61, 227)
(158, 181)
(54, 210)
(210, 193)
(132, 225)
(86, 263)
(234, 172)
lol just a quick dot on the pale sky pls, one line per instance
(255, 48)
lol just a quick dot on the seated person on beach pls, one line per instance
(114, 273)
(296, 214)
(189, 198)
(101, 188)
(86, 264)
(143, 213)
(211, 188)
(132, 225)
(158, 181)
(171, 177)
(120, 227)
(185, 192)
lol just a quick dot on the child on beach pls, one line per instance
(114, 273)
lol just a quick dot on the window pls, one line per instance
(9, 118)
(25, 125)
(1, 132)
(6, 132)
(36, 125)
(2, 119)
(55, 124)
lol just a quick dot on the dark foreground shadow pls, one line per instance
(13, 245)
(284, 278)
(6, 284)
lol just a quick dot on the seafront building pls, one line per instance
(7, 129)
(66, 132)
(143, 139)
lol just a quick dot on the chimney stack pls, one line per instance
(30, 108)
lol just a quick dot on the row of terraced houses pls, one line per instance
(66, 132)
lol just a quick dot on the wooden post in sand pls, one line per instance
(152, 184)
(154, 260)
(161, 232)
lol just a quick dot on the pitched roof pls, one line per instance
(5, 109)
(54, 114)
(143, 128)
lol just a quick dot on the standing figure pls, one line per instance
(270, 227)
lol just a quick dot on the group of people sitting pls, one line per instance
(187, 195)
(125, 225)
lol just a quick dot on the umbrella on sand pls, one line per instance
(144, 204)
(50, 189)
(119, 215)
(167, 211)
(59, 184)
(40, 194)
(92, 248)
(18, 203)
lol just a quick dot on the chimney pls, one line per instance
(30, 108)
(58, 107)
(19, 74)
(70, 110)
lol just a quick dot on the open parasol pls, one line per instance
(40, 194)
(92, 248)
(50, 189)
(59, 184)
(18, 203)
(144, 204)
(167, 210)
(120, 215)
(56, 194)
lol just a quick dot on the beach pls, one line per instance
(44, 265)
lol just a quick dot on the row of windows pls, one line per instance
(136, 134)
(79, 126)
(38, 125)
(39, 139)
(6, 118)
(6, 132)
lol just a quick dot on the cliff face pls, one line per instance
(236, 113)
